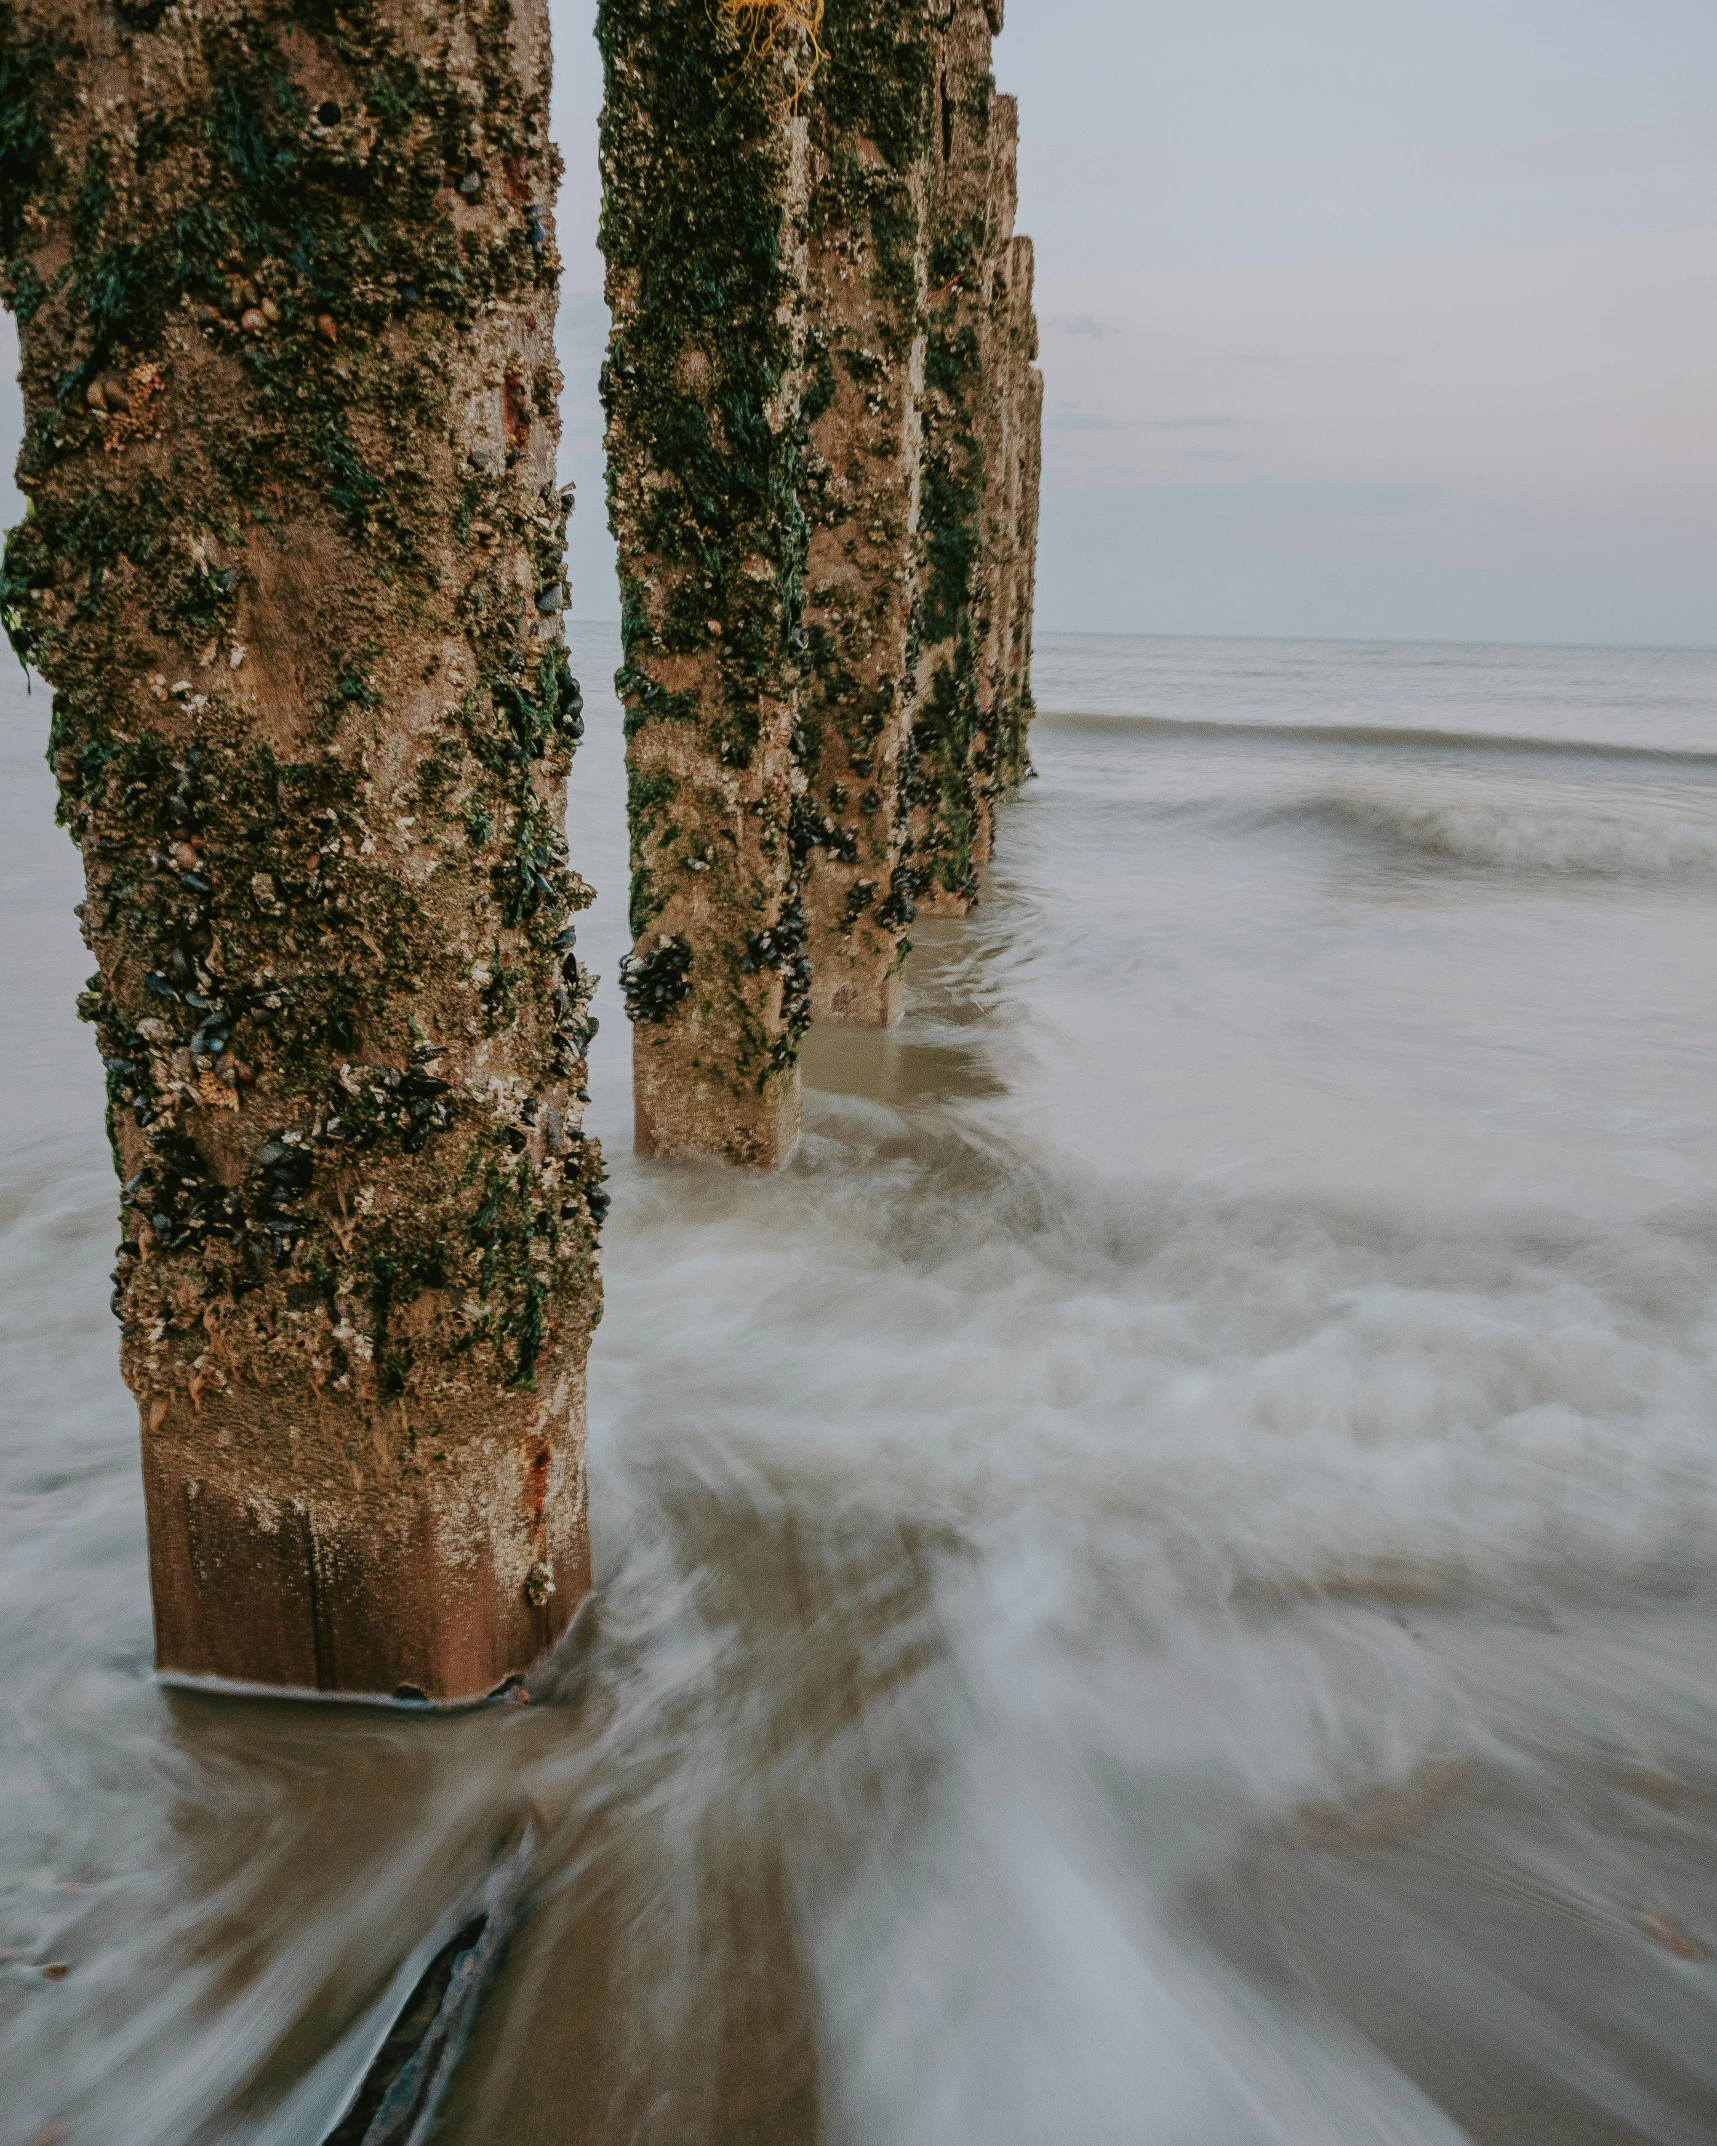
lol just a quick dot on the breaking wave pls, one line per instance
(1512, 838)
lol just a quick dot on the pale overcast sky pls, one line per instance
(1360, 317)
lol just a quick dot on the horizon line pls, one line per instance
(1328, 640)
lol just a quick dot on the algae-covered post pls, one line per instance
(921, 391)
(873, 125)
(285, 280)
(1012, 460)
(704, 174)
(821, 467)
(978, 514)
(1017, 516)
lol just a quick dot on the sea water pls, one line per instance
(1156, 1586)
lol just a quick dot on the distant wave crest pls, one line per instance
(1515, 838)
(1394, 737)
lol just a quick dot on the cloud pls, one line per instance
(1081, 324)
(1266, 495)
(1083, 421)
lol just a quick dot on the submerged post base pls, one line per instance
(407, 1700)
(855, 992)
(689, 1112)
(436, 1594)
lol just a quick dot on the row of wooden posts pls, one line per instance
(285, 286)
(827, 658)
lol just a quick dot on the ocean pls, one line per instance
(1158, 1587)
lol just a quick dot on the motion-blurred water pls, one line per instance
(1156, 1587)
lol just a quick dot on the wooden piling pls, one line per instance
(704, 149)
(822, 417)
(293, 567)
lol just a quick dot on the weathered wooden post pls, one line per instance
(1012, 437)
(1017, 519)
(704, 168)
(873, 128)
(922, 391)
(978, 407)
(285, 282)
(821, 441)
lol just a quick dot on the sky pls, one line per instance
(1360, 318)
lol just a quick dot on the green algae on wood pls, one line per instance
(873, 125)
(704, 172)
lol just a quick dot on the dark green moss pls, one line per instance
(698, 224)
(944, 776)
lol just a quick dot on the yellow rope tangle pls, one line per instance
(765, 24)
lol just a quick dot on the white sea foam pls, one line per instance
(1515, 838)
(1180, 1464)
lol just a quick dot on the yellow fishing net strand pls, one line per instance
(761, 23)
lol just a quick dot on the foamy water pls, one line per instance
(1154, 1587)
